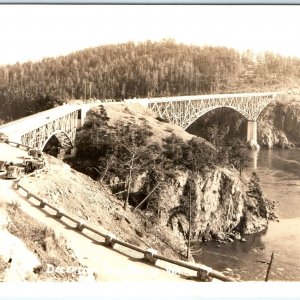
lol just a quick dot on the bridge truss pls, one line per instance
(184, 110)
(66, 124)
(62, 121)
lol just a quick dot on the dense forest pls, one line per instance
(130, 70)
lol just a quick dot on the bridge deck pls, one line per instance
(35, 130)
(203, 97)
(27, 124)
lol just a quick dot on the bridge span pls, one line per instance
(36, 130)
(184, 110)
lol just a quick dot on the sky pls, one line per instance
(32, 32)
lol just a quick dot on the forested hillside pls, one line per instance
(146, 69)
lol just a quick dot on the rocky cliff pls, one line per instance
(25, 251)
(279, 124)
(16, 260)
(221, 206)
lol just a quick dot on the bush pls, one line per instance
(194, 155)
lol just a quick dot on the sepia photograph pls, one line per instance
(149, 144)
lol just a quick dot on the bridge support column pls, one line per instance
(252, 134)
(83, 112)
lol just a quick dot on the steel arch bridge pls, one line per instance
(185, 110)
(36, 130)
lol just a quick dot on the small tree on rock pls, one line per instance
(255, 191)
(238, 154)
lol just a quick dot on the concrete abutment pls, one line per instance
(252, 134)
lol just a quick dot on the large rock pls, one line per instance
(220, 206)
(279, 125)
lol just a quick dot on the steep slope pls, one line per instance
(27, 245)
(40, 256)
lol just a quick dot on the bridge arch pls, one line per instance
(204, 112)
(185, 110)
(59, 134)
(221, 121)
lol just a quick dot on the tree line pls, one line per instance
(130, 70)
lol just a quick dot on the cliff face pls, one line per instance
(25, 251)
(279, 124)
(220, 207)
(16, 260)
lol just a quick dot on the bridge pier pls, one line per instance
(252, 134)
(83, 111)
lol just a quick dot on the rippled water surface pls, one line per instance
(279, 171)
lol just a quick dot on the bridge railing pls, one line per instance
(203, 272)
(18, 145)
(41, 114)
(208, 97)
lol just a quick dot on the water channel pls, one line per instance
(279, 171)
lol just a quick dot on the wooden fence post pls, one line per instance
(269, 267)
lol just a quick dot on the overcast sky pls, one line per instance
(36, 31)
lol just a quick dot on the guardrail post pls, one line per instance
(28, 195)
(16, 184)
(203, 274)
(148, 256)
(59, 213)
(109, 240)
(43, 203)
(80, 225)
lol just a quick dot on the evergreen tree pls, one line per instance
(238, 154)
(254, 191)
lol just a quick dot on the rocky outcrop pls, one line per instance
(184, 170)
(220, 206)
(279, 124)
